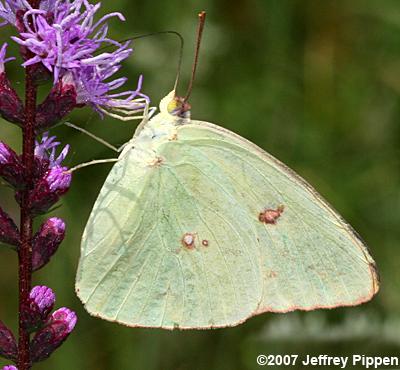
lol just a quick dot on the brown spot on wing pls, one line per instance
(205, 243)
(158, 161)
(188, 240)
(270, 216)
(272, 274)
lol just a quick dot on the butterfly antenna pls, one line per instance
(182, 44)
(200, 28)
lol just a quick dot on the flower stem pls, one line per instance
(25, 250)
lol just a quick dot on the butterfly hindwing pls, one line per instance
(310, 257)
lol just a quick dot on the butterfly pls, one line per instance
(196, 227)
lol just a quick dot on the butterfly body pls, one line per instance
(195, 227)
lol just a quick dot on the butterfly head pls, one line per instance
(179, 107)
(175, 106)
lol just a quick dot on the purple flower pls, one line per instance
(52, 180)
(46, 159)
(67, 41)
(46, 150)
(8, 230)
(11, 169)
(61, 41)
(45, 155)
(46, 241)
(48, 190)
(8, 345)
(10, 367)
(3, 59)
(41, 302)
(50, 337)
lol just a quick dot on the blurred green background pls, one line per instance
(316, 84)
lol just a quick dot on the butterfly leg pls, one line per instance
(94, 137)
(128, 116)
(98, 161)
(100, 140)
(91, 163)
(148, 112)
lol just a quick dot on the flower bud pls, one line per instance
(11, 107)
(46, 241)
(50, 337)
(11, 169)
(44, 298)
(36, 312)
(9, 367)
(48, 190)
(8, 345)
(8, 230)
(58, 104)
